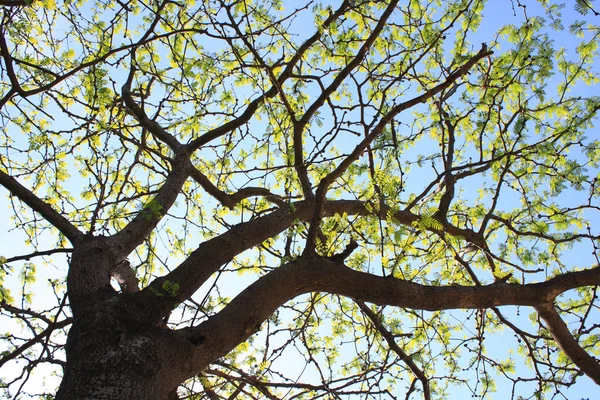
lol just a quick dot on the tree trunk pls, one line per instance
(112, 355)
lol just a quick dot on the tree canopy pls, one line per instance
(299, 199)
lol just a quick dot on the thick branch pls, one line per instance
(140, 115)
(244, 315)
(212, 254)
(134, 233)
(90, 269)
(14, 3)
(45, 210)
(559, 330)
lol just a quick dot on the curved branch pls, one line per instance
(231, 200)
(138, 112)
(325, 94)
(212, 254)
(360, 55)
(244, 315)
(567, 343)
(60, 78)
(45, 210)
(140, 115)
(8, 63)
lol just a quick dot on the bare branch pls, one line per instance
(361, 147)
(37, 339)
(29, 256)
(44, 209)
(44, 335)
(389, 338)
(231, 200)
(559, 330)
(272, 92)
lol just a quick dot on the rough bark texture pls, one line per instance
(113, 354)
(115, 351)
(117, 348)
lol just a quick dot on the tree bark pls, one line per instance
(113, 355)
(112, 351)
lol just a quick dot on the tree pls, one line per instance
(360, 190)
